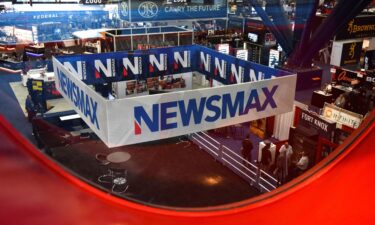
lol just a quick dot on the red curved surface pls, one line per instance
(339, 190)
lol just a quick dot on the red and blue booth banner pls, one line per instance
(143, 64)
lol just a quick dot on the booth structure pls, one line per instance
(251, 92)
(129, 39)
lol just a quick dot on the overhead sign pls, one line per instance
(156, 10)
(359, 27)
(342, 76)
(324, 127)
(342, 116)
(168, 115)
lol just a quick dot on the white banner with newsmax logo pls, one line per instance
(155, 117)
(86, 102)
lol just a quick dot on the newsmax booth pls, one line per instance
(250, 92)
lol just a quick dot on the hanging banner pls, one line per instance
(157, 10)
(168, 115)
(359, 27)
(142, 64)
(229, 70)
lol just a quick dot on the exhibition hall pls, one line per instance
(187, 111)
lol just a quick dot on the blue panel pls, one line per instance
(171, 29)
(140, 64)
(123, 10)
(153, 30)
(124, 32)
(48, 26)
(138, 31)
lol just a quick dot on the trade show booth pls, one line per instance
(258, 92)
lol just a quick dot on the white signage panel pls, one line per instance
(342, 116)
(148, 118)
(242, 54)
(86, 102)
(223, 48)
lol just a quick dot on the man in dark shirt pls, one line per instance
(266, 157)
(30, 108)
(247, 146)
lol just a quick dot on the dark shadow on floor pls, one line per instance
(162, 173)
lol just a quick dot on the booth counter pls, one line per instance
(38, 74)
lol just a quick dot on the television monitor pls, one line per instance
(252, 37)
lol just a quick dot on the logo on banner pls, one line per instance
(158, 63)
(236, 72)
(108, 69)
(148, 9)
(45, 16)
(343, 77)
(210, 109)
(80, 72)
(124, 9)
(184, 60)
(220, 67)
(86, 104)
(352, 28)
(352, 50)
(205, 62)
(135, 67)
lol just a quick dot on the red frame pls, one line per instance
(338, 190)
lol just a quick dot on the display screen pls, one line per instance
(252, 37)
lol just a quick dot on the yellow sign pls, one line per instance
(37, 85)
(352, 28)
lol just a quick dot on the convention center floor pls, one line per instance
(164, 173)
